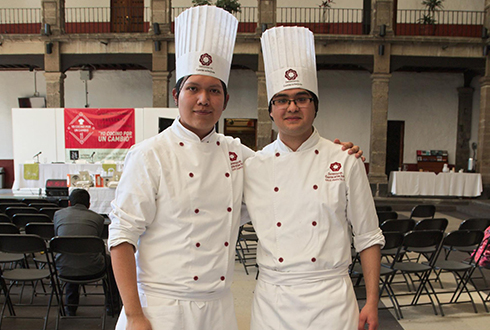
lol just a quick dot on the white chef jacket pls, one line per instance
(305, 206)
(178, 202)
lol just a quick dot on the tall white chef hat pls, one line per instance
(204, 42)
(289, 59)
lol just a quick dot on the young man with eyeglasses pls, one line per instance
(306, 199)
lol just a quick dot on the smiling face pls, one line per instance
(201, 101)
(293, 122)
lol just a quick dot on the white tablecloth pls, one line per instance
(430, 184)
(51, 171)
(100, 199)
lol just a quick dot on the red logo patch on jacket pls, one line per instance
(335, 174)
(236, 164)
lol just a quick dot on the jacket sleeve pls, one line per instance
(361, 211)
(134, 206)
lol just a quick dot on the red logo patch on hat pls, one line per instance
(291, 74)
(335, 167)
(206, 59)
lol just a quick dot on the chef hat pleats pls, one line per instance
(289, 59)
(204, 42)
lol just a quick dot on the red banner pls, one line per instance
(99, 128)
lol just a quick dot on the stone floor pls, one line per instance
(458, 316)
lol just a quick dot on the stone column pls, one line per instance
(382, 14)
(161, 13)
(465, 106)
(267, 14)
(264, 122)
(55, 87)
(160, 75)
(483, 151)
(53, 13)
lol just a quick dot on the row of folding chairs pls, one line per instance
(426, 271)
(40, 243)
(47, 209)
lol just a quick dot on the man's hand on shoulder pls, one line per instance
(351, 149)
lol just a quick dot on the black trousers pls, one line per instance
(112, 298)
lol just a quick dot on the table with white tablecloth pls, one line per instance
(52, 171)
(403, 183)
(100, 199)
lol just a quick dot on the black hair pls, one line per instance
(315, 102)
(79, 196)
(180, 83)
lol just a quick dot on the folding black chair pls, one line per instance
(393, 241)
(34, 200)
(10, 258)
(80, 246)
(21, 220)
(429, 224)
(41, 205)
(12, 210)
(5, 205)
(386, 215)
(49, 211)
(246, 246)
(4, 218)
(411, 240)
(423, 211)
(461, 270)
(26, 244)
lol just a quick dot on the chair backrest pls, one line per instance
(392, 240)
(12, 210)
(463, 238)
(3, 206)
(423, 211)
(49, 211)
(14, 243)
(385, 215)
(45, 230)
(397, 225)
(8, 228)
(9, 200)
(383, 208)
(475, 224)
(4, 218)
(77, 245)
(40, 205)
(422, 238)
(21, 220)
(435, 224)
(35, 200)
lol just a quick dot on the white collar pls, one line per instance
(190, 136)
(309, 143)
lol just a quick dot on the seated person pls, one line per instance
(78, 220)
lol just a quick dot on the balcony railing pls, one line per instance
(323, 20)
(20, 20)
(107, 20)
(448, 23)
(247, 18)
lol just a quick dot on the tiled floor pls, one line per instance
(459, 316)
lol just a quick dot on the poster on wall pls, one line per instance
(97, 135)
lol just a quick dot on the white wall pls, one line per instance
(448, 4)
(427, 102)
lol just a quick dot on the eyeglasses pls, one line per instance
(301, 102)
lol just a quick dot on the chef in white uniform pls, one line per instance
(307, 199)
(177, 204)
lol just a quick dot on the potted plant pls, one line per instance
(428, 21)
(231, 6)
(325, 5)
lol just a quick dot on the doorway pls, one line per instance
(127, 15)
(394, 145)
